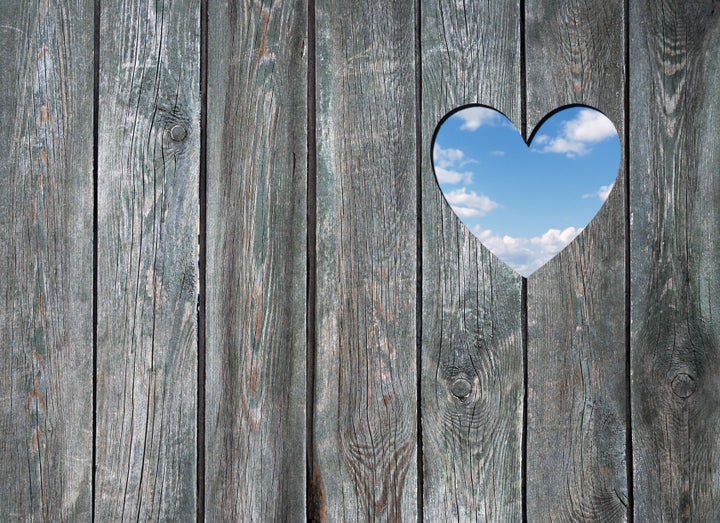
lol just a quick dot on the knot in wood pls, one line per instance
(683, 385)
(461, 388)
(178, 133)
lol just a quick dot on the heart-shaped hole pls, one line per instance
(525, 203)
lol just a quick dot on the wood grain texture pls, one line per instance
(675, 204)
(576, 303)
(148, 163)
(46, 263)
(472, 356)
(364, 454)
(256, 244)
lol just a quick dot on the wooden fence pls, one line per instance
(231, 289)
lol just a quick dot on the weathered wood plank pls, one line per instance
(364, 453)
(472, 356)
(46, 260)
(148, 156)
(675, 231)
(256, 244)
(577, 391)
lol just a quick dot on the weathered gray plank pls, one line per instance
(256, 244)
(46, 262)
(576, 303)
(675, 231)
(365, 420)
(472, 357)
(148, 156)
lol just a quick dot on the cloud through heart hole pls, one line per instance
(526, 203)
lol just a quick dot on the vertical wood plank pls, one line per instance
(472, 355)
(256, 244)
(675, 231)
(46, 260)
(576, 303)
(364, 453)
(148, 161)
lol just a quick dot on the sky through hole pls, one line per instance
(526, 203)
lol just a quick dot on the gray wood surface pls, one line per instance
(348, 448)
(365, 424)
(256, 245)
(148, 156)
(472, 357)
(576, 468)
(46, 260)
(675, 232)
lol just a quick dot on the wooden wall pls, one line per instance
(231, 289)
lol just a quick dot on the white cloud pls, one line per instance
(526, 255)
(513, 251)
(476, 117)
(578, 135)
(603, 192)
(501, 245)
(465, 202)
(446, 161)
(446, 158)
(589, 127)
(467, 212)
(497, 153)
(567, 147)
(554, 239)
(449, 176)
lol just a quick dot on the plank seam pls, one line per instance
(419, 258)
(523, 299)
(628, 359)
(311, 263)
(524, 323)
(95, 132)
(523, 74)
(202, 264)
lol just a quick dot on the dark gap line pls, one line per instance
(419, 259)
(523, 74)
(524, 322)
(524, 292)
(628, 359)
(202, 265)
(96, 142)
(311, 502)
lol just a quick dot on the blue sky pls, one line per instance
(526, 204)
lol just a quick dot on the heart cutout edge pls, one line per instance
(528, 146)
